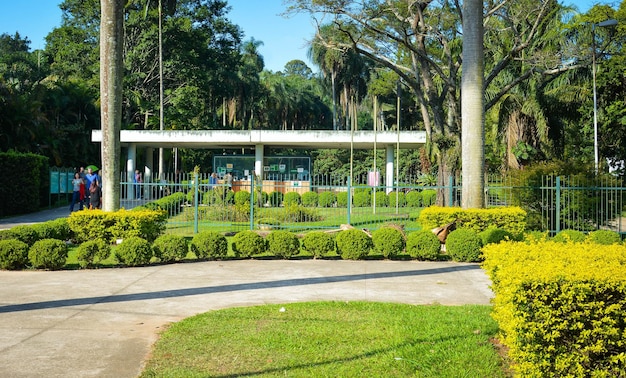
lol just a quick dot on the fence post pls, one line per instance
(196, 182)
(252, 202)
(451, 186)
(349, 198)
(558, 203)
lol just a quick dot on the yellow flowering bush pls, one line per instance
(511, 219)
(109, 226)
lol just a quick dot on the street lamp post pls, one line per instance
(606, 23)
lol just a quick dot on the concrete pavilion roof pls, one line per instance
(305, 139)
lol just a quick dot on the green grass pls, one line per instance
(330, 339)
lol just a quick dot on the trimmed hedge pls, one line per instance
(423, 245)
(604, 237)
(388, 241)
(134, 251)
(565, 236)
(91, 252)
(309, 199)
(121, 224)
(248, 243)
(326, 199)
(511, 219)
(13, 254)
(464, 245)
(353, 244)
(209, 244)
(169, 248)
(283, 244)
(48, 254)
(319, 244)
(291, 198)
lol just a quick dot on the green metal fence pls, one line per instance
(329, 202)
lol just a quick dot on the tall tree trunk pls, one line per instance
(472, 112)
(111, 73)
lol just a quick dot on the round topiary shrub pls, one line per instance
(342, 199)
(401, 199)
(134, 251)
(493, 235)
(388, 241)
(309, 199)
(92, 252)
(61, 229)
(24, 233)
(353, 244)
(429, 196)
(573, 236)
(381, 199)
(248, 243)
(209, 244)
(169, 248)
(326, 199)
(604, 237)
(13, 254)
(414, 198)
(318, 244)
(275, 198)
(423, 245)
(283, 244)
(291, 198)
(242, 197)
(536, 236)
(48, 254)
(464, 245)
(362, 198)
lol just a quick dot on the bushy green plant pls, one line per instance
(423, 245)
(13, 254)
(494, 235)
(573, 236)
(190, 197)
(536, 236)
(464, 245)
(309, 199)
(429, 197)
(268, 223)
(353, 244)
(381, 199)
(134, 251)
(388, 241)
(291, 198)
(327, 199)
(275, 198)
(168, 248)
(342, 199)
(391, 198)
(24, 233)
(60, 229)
(318, 243)
(248, 243)
(299, 213)
(209, 244)
(91, 252)
(362, 197)
(283, 244)
(242, 197)
(414, 198)
(604, 237)
(48, 254)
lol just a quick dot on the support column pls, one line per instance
(130, 171)
(147, 174)
(389, 169)
(258, 161)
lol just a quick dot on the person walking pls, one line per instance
(138, 187)
(77, 193)
(95, 195)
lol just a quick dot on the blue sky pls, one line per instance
(284, 39)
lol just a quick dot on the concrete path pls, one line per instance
(102, 323)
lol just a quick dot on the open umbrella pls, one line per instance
(93, 168)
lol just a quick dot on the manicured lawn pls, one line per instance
(331, 339)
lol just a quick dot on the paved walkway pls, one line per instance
(102, 323)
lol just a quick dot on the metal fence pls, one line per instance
(327, 202)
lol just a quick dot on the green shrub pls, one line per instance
(414, 198)
(573, 236)
(388, 241)
(209, 244)
(326, 199)
(299, 213)
(309, 199)
(242, 197)
(464, 245)
(342, 199)
(381, 199)
(291, 198)
(353, 244)
(13, 254)
(494, 235)
(423, 245)
(275, 198)
(248, 243)
(429, 197)
(24, 233)
(362, 197)
(168, 248)
(283, 244)
(48, 254)
(391, 199)
(60, 229)
(536, 236)
(134, 251)
(190, 197)
(604, 237)
(268, 223)
(318, 243)
(91, 252)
